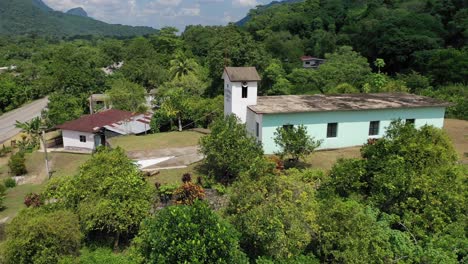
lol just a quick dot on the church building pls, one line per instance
(339, 120)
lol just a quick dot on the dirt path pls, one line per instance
(182, 156)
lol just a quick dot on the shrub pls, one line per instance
(98, 256)
(188, 234)
(5, 150)
(165, 192)
(33, 200)
(9, 182)
(42, 237)
(188, 193)
(2, 195)
(17, 164)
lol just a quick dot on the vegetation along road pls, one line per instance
(23, 114)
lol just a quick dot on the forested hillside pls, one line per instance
(18, 17)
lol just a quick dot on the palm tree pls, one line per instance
(32, 128)
(181, 65)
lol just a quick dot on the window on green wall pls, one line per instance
(374, 128)
(257, 129)
(332, 130)
(410, 121)
(288, 126)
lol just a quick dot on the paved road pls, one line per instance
(23, 114)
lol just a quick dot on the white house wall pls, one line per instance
(71, 140)
(353, 126)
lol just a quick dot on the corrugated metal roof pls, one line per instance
(135, 125)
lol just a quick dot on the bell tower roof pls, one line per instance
(242, 74)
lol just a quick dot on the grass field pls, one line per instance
(61, 164)
(157, 141)
(15, 197)
(174, 176)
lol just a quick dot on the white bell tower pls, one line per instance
(240, 90)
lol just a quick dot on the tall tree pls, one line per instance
(125, 95)
(109, 194)
(229, 149)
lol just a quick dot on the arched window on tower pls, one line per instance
(244, 89)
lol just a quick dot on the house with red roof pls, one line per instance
(90, 131)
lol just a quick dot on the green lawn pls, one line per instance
(157, 141)
(325, 159)
(62, 164)
(14, 200)
(174, 176)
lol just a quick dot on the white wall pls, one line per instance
(252, 119)
(233, 101)
(71, 140)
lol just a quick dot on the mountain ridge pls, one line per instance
(20, 17)
(261, 8)
(77, 11)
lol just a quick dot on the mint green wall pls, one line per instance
(353, 126)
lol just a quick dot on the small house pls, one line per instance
(339, 120)
(309, 62)
(90, 131)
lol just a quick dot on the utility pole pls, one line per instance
(45, 152)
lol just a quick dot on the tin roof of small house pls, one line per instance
(94, 122)
(308, 58)
(242, 74)
(341, 102)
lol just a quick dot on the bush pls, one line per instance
(5, 150)
(2, 195)
(165, 192)
(33, 199)
(17, 164)
(9, 182)
(97, 256)
(188, 234)
(188, 193)
(42, 237)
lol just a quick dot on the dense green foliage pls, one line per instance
(26, 17)
(3, 190)
(274, 213)
(42, 236)
(109, 194)
(412, 180)
(229, 149)
(126, 95)
(97, 256)
(188, 234)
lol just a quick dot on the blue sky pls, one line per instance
(160, 13)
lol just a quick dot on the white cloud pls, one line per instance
(159, 13)
(245, 3)
(169, 2)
